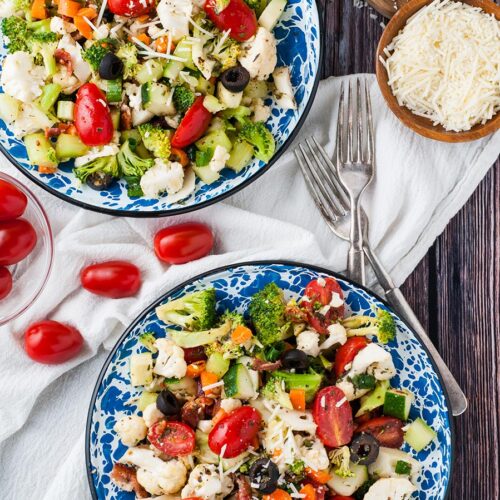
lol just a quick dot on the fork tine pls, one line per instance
(349, 126)
(370, 140)
(320, 185)
(359, 123)
(329, 216)
(339, 146)
(340, 190)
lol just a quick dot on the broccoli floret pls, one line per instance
(267, 313)
(43, 37)
(235, 317)
(240, 114)
(297, 468)
(226, 54)
(195, 311)
(148, 340)
(17, 32)
(22, 4)
(183, 98)
(274, 391)
(382, 325)
(128, 54)
(95, 54)
(340, 458)
(364, 381)
(309, 382)
(228, 349)
(105, 165)
(260, 138)
(156, 140)
(131, 164)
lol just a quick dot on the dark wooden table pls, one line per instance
(455, 290)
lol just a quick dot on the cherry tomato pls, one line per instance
(183, 243)
(320, 293)
(92, 116)
(5, 282)
(51, 342)
(334, 420)
(340, 497)
(130, 8)
(12, 201)
(172, 438)
(236, 431)
(114, 279)
(193, 125)
(347, 352)
(194, 354)
(17, 240)
(388, 431)
(237, 16)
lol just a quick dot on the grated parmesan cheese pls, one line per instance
(444, 65)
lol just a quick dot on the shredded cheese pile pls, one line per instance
(445, 65)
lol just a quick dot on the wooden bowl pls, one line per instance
(424, 126)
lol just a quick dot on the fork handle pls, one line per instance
(395, 297)
(356, 255)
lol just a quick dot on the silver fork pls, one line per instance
(331, 198)
(355, 166)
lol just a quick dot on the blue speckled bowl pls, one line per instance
(299, 47)
(235, 285)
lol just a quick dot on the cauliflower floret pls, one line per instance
(259, 54)
(81, 68)
(30, 119)
(308, 342)
(375, 361)
(284, 92)
(131, 430)
(204, 481)
(155, 475)
(68, 83)
(313, 453)
(139, 114)
(151, 414)
(174, 16)
(205, 426)
(261, 112)
(230, 404)
(170, 361)
(102, 32)
(60, 26)
(7, 8)
(163, 176)
(337, 335)
(390, 489)
(21, 78)
(219, 158)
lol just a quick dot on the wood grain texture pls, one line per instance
(455, 290)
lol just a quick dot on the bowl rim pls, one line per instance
(312, 267)
(184, 210)
(48, 228)
(405, 115)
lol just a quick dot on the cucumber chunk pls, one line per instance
(241, 155)
(157, 98)
(214, 139)
(114, 90)
(256, 89)
(9, 108)
(50, 93)
(346, 486)
(195, 339)
(206, 174)
(65, 110)
(70, 146)
(40, 151)
(217, 364)
(141, 369)
(150, 71)
(145, 399)
(397, 403)
(238, 383)
(419, 434)
(271, 14)
(212, 104)
(184, 51)
(374, 399)
(227, 98)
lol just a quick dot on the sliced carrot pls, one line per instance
(241, 334)
(308, 491)
(38, 10)
(195, 369)
(221, 413)
(180, 156)
(276, 453)
(278, 495)
(208, 378)
(162, 45)
(298, 399)
(83, 27)
(143, 38)
(318, 476)
(47, 169)
(68, 8)
(88, 12)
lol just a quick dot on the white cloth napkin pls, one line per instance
(420, 184)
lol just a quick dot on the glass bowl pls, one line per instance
(32, 273)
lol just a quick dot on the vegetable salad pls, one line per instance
(291, 400)
(153, 92)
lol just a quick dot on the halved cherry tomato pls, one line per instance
(308, 492)
(340, 497)
(92, 116)
(333, 416)
(193, 125)
(114, 279)
(172, 438)
(278, 495)
(17, 240)
(237, 16)
(320, 293)
(235, 431)
(347, 352)
(51, 342)
(318, 476)
(12, 201)
(193, 354)
(5, 282)
(130, 8)
(183, 243)
(388, 431)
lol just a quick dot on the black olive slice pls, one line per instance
(364, 449)
(100, 181)
(295, 359)
(111, 67)
(167, 403)
(235, 79)
(265, 474)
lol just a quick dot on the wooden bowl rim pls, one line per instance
(421, 125)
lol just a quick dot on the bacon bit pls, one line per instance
(52, 132)
(244, 489)
(126, 478)
(143, 18)
(125, 117)
(194, 411)
(63, 57)
(265, 366)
